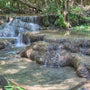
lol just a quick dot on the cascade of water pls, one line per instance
(19, 40)
(18, 25)
(7, 31)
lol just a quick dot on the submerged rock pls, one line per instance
(5, 42)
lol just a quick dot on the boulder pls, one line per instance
(36, 46)
(26, 53)
(54, 55)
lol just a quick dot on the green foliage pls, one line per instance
(61, 22)
(10, 87)
(77, 10)
(11, 8)
(76, 19)
(51, 8)
(73, 19)
(4, 3)
(82, 28)
(87, 18)
(54, 7)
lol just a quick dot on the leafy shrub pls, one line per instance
(77, 10)
(76, 19)
(82, 28)
(61, 22)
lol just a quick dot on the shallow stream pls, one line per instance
(32, 76)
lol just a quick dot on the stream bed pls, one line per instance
(32, 76)
(29, 74)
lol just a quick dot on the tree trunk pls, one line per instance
(66, 13)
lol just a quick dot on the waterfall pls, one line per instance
(20, 25)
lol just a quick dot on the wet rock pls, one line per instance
(77, 42)
(88, 67)
(65, 59)
(5, 19)
(71, 47)
(33, 55)
(69, 44)
(74, 45)
(85, 51)
(42, 47)
(26, 53)
(54, 55)
(28, 37)
(36, 37)
(36, 46)
(75, 61)
(82, 71)
(3, 44)
(86, 43)
(79, 65)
